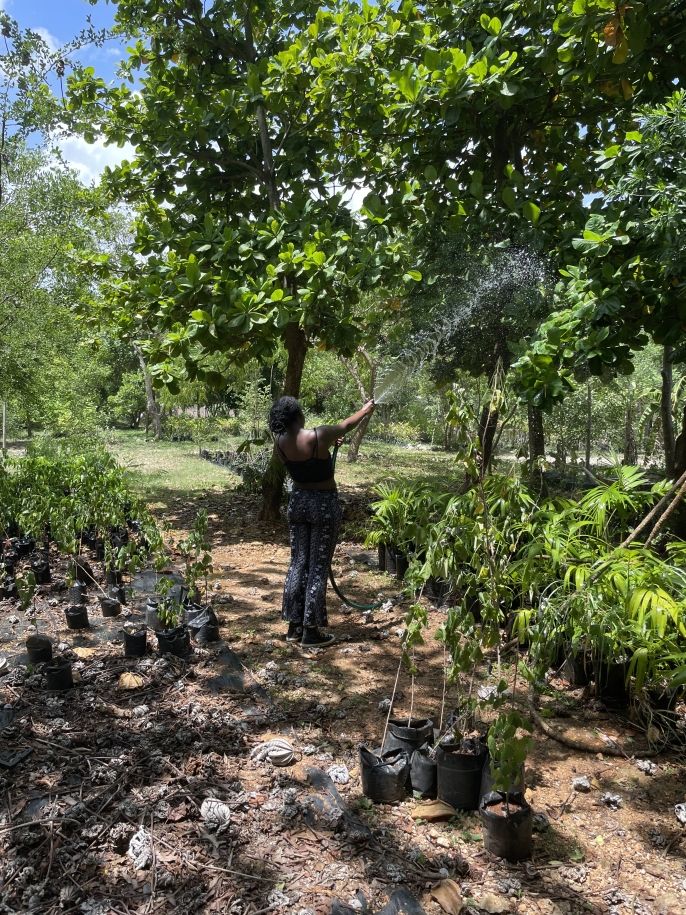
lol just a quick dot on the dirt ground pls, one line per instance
(108, 761)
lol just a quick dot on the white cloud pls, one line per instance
(50, 40)
(90, 159)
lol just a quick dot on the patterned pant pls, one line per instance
(314, 519)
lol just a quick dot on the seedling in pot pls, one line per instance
(195, 549)
(168, 611)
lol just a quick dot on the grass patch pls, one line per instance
(161, 469)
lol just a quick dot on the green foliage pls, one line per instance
(628, 285)
(196, 551)
(507, 748)
(253, 244)
(63, 490)
(128, 404)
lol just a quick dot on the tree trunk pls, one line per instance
(153, 409)
(589, 424)
(353, 452)
(275, 474)
(666, 413)
(487, 428)
(536, 436)
(680, 449)
(366, 393)
(630, 445)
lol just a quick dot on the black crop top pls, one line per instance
(313, 469)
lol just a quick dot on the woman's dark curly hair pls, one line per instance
(283, 414)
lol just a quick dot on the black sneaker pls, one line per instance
(313, 638)
(295, 632)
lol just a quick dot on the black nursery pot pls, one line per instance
(402, 564)
(117, 592)
(610, 682)
(384, 777)
(152, 620)
(203, 623)
(390, 564)
(77, 593)
(578, 668)
(423, 773)
(381, 550)
(174, 641)
(459, 773)
(39, 648)
(135, 643)
(436, 589)
(507, 835)
(25, 545)
(408, 735)
(110, 606)
(82, 571)
(58, 674)
(77, 617)
(41, 571)
(114, 577)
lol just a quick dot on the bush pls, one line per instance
(400, 433)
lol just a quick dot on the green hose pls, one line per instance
(351, 603)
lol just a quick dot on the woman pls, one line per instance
(314, 515)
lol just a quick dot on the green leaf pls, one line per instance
(531, 211)
(509, 198)
(413, 276)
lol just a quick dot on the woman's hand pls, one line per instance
(369, 407)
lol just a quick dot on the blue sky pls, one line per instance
(58, 21)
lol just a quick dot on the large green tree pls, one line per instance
(629, 284)
(475, 125)
(243, 239)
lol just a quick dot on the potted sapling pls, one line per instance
(506, 816)
(389, 527)
(38, 647)
(461, 752)
(195, 549)
(173, 637)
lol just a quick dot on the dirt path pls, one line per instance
(106, 761)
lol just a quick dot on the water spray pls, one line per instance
(509, 268)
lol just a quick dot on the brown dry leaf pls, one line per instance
(611, 32)
(85, 653)
(129, 680)
(447, 894)
(434, 810)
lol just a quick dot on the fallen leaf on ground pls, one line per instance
(434, 810)
(447, 894)
(131, 681)
(84, 653)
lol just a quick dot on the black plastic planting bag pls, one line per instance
(384, 777)
(423, 774)
(203, 623)
(507, 835)
(408, 735)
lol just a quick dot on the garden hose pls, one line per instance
(351, 603)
